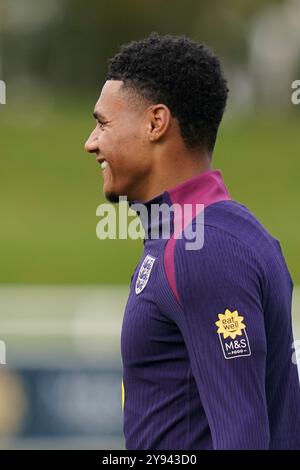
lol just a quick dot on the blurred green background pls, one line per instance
(50, 190)
(53, 59)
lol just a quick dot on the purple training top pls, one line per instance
(207, 337)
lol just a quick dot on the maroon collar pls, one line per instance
(205, 188)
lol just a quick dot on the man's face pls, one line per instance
(119, 142)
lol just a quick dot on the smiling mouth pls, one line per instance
(103, 163)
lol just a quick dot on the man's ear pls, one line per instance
(158, 122)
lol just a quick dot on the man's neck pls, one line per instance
(175, 172)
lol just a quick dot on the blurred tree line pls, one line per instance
(67, 42)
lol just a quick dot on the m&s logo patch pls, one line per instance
(232, 335)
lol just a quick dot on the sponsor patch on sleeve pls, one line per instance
(232, 334)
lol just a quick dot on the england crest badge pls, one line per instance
(144, 274)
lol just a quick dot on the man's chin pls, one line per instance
(111, 197)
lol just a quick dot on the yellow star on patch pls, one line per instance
(230, 324)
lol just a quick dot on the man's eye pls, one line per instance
(101, 124)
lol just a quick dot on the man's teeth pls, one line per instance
(104, 164)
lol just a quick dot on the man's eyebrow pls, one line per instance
(98, 116)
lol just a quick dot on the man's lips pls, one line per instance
(102, 162)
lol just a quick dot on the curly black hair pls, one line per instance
(181, 73)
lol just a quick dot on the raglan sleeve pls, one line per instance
(220, 289)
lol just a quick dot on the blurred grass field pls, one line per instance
(49, 191)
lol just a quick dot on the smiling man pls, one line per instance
(206, 335)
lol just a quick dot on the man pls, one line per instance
(206, 335)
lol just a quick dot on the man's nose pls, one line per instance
(91, 145)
